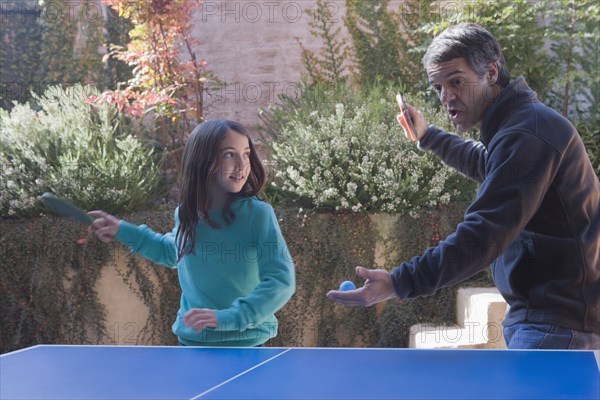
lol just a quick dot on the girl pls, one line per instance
(234, 267)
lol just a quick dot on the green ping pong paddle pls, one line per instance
(66, 208)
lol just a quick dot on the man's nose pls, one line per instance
(447, 95)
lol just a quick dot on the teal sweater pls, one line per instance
(244, 271)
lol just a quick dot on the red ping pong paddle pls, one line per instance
(405, 119)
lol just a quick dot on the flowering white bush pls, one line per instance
(86, 154)
(358, 159)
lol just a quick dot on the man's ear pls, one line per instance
(492, 73)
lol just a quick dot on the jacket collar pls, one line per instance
(516, 94)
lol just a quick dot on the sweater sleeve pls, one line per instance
(465, 156)
(518, 174)
(276, 274)
(156, 247)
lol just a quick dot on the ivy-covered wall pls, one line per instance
(52, 281)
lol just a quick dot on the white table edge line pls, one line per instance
(238, 375)
(20, 351)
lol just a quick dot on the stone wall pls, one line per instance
(309, 319)
(60, 285)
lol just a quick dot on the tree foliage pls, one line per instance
(160, 30)
(168, 76)
(20, 43)
(376, 39)
(329, 64)
(573, 29)
(46, 43)
(71, 39)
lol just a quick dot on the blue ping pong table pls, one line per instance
(141, 372)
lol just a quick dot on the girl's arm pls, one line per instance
(156, 247)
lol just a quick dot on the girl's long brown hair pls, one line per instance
(199, 164)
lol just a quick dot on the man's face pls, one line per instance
(464, 95)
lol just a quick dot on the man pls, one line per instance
(536, 216)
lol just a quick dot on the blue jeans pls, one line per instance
(547, 336)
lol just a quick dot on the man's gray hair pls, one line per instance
(472, 42)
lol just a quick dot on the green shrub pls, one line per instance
(307, 98)
(590, 134)
(88, 154)
(351, 154)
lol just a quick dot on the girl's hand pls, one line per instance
(200, 318)
(105, 226)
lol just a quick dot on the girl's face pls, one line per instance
(233, 167)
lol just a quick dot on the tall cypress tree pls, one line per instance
(20, 44)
